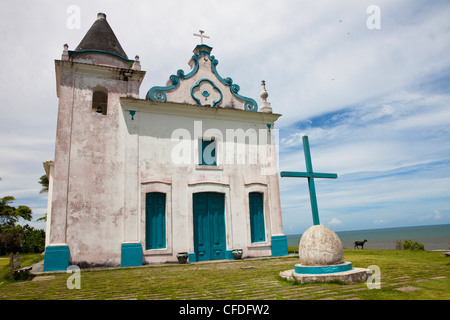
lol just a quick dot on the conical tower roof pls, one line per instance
(101, 37)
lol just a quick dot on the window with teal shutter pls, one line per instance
(207, 152)
(256, 201)
(155, 225)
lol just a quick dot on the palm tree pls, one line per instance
(43, 181)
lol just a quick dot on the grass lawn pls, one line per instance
(27, 259)
(405, 275)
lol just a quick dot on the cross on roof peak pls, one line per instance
(201, 35)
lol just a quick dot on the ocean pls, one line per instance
(435, 237)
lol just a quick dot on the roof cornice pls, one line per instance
(195, 111)
(81, 68)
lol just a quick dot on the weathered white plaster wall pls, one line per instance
(105, 164)
(88, 187)
(152, 153)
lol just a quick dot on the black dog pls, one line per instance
(359, 244)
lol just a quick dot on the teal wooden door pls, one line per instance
(256, 201)
(155, 220)
(209, 226)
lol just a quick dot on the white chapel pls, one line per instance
(190, 169)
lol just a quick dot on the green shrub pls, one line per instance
(409, 245)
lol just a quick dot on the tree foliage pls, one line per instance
(14, 237)
(33, 240)
(10, 215)
(43, 181)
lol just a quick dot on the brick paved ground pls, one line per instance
(253, 279)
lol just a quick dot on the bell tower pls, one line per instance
(90, 81)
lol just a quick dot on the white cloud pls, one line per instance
(334, 222)
(437, 215)
(394, 134)
(385, 91)
(432, 216)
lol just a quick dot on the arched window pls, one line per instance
(100, 102)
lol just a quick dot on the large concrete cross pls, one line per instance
(310, 175)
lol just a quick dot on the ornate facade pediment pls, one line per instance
(202, 86)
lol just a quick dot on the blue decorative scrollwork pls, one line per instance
(159, 93)
(156, 94)
(174, 79)
(194, 70)
(249, 103)
(205, 93)
(180, 73)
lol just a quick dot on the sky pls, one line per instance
(367, 81)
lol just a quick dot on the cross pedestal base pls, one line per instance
(351, 276)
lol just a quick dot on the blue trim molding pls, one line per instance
(346, 266)
(159, 93)
(56, 258)
(71, 52)
(192, 257)
(131, 255)
(279, 246)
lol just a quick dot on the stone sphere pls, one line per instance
(320, 246)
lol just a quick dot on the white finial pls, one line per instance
(264, 93)
(201, 35)
(65, 54)
(136, 64)
(265, 106)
